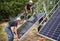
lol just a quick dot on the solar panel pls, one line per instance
(27, 25)
(52, 28)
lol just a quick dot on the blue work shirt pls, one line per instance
(12, 23)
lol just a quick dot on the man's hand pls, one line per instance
(17, 36)
(26, 12)
(15, 29)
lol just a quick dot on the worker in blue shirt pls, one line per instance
(10, 32)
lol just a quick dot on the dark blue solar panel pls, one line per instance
(52, 28)
(34, 18)
(27, 25)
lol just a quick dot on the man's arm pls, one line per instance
(26, 11)
(31, 9)
(15, 30)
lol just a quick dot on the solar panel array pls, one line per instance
(27, 25)
(52, 28)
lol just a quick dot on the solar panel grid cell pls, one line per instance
(58, 39)
(55, 34)
(53, 27)
(58, 32)
(49, 33)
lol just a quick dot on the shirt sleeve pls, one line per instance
(15, 24)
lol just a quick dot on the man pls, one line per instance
(28, 8)
(10, 32)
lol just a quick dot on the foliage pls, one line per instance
(11, 8)
(14, 7)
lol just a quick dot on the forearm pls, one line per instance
(26, 11)
(12, 29)
(31, 10)
(16, 33)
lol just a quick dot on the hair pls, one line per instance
(22, 17)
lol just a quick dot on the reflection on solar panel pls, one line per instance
(52, 28)
(27, 25)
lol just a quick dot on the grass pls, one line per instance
(2, 34)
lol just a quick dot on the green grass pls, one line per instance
(2, 34)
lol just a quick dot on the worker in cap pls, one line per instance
(10, 32)
(28, 9)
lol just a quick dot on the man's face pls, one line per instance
(18, 21)
(30, 3)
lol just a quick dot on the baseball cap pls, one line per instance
(31, 1)
(18, 18)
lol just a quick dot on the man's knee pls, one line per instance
(11, 37)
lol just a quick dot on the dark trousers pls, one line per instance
(25, 16)
(39, 28)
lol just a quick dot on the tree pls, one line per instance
(11, 8)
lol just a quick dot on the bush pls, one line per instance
(11, 8)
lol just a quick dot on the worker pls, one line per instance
(10, 32)
(28, 8)
(40, 25)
